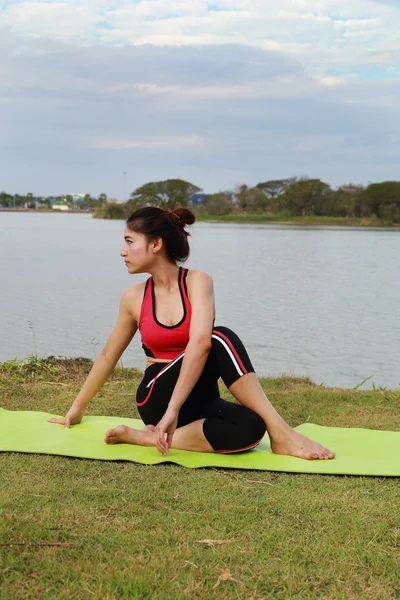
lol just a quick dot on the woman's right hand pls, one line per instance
(73, 417)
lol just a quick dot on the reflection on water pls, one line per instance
(323, 302)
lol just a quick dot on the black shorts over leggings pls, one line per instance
(228, 427)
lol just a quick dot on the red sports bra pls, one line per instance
(164, 341)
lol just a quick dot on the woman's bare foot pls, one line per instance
(126, 435)
(293, 443)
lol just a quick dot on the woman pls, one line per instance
(178, 398)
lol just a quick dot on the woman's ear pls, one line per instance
(157, 244)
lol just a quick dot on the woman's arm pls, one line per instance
(196, 353)
(198, 348)
(123, 332)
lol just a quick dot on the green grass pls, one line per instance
(261, 218)
(80, 529)
(291, 220)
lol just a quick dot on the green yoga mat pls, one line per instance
(358, 451)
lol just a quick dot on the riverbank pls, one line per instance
(165, 532)
(117, 212)
(240, 218)
(285, 220)
(45, 210)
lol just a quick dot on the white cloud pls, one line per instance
(323, 35)
(53, 20)
(331, 81)
(280, 87)
(161, 89)
(171, 143)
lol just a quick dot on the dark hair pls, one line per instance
(169, 225)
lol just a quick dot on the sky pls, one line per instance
(219, 93)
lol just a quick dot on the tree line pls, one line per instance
(29, 200)
(294, 196)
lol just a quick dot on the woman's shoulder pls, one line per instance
(132, 299)
(134, 292)
(136, 288)
(198, 275)
(199, 280)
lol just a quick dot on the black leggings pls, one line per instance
(228, 427)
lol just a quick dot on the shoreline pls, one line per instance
(45, 210)
(312, 221)
(64, 368)
(251, 219)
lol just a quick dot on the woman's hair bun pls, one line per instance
(181, 216)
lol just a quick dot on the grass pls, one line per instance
(292, 220)
(80, 529)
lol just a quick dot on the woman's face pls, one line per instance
(136, 252)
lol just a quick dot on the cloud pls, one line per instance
(322, 35)
(225, 93)
(172, 143)
(50, 19)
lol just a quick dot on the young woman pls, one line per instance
(178, 398)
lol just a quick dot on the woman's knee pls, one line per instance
(226, 331)
(254, 427)
(230, 355)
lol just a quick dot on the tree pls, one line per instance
(218, 204)
(90, 203)
(391, 213)
(132, 205)
(46, 202)
(19, 200)
(251, 199)
(164, 194)
(274, 189)
(30, 201)
(308, 197)
(111, 210)
(379, 196)
(347, 199)
(102, 199)
(6, 199)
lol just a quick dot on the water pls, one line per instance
(322, 302)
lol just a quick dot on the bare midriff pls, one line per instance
(154, 361)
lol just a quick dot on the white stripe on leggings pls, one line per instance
(166, 368)
(239, 370)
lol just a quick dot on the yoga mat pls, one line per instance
(358, 451)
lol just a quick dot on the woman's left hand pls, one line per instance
(165, 430)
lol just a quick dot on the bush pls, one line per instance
(111, 210)
(391, 213)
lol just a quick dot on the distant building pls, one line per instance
(60, 205)
(77, 198)
(197, 199)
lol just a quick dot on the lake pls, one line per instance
(318, 302)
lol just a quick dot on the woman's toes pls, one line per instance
(325, 453)
(110, 436)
